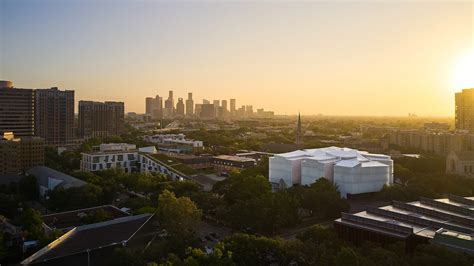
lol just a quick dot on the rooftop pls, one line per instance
(343, 157)
(422, 218)
(70, 219)
(90, 237)
(234, 158)
(44, 175)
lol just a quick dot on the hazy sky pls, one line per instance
(340, 58)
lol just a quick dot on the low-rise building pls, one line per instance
(94, 244)
(108, 156)
(176, 143)
(352, 171)
(226, 163)
(67, 220)
(20, 154)
(447, 222)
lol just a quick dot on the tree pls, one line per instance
(62, 199)
(32, 223)
(177, 215)
(347, 256)
(96, 217)
(239, 188)
(253, 250)
(321, 198)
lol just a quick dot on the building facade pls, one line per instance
(17, 107)
(108, 156)
(20, 154)
(97, 119)
(227, 163)
(54, 116)
(352, 171)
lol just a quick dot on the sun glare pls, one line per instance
(464, 73)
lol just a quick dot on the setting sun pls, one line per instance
(464, 72)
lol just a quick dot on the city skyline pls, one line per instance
(311, 57)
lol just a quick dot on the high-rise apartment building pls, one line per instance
(190, 105)
(17, 107)
(180, 107)
(232, 106)
(97, 119)
(54, 115)
(464, 110)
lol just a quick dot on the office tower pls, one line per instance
(216, 104)
(204, 101)
(224, 105)
(97, 119)
(154, 107)
(54, 115)
(464, 110)
(208, 111)
(16, 110)
(20, 154)
(180, 107)
(190, 105)
(158, 110)
(149, 105)
(168, 111)
(241, 111)
(232, 107)
(249, 110)
(197, 109)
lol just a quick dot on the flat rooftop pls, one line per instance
(68, 219)
(234, 158)
(424, 218)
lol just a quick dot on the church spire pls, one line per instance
(298, 130)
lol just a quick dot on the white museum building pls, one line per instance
(352, 171)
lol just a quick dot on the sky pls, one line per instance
(336, 57)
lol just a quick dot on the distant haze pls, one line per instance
(339, 58)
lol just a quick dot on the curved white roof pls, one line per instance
(345, 157)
